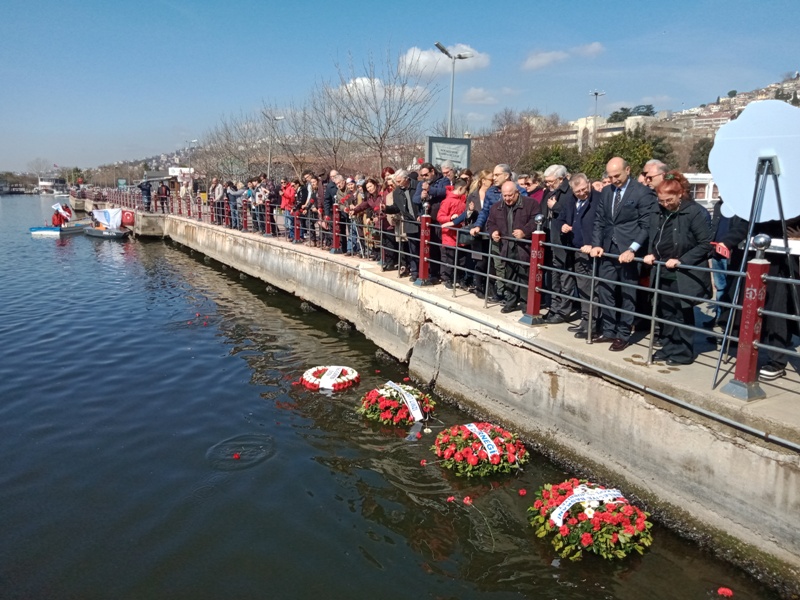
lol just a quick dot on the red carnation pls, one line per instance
(467, 500)
(523, 491)
(723, 591)
(451, 498)
(563, 530)
(586, 539)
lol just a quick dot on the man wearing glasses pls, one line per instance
(653, 173)
(432, 188)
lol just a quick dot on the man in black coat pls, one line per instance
(513, 218)
(576, 224)
(621, 227)
(405, 216)
(557, 196)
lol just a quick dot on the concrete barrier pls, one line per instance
(741, 491)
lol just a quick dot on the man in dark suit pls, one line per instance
(621, 227)
(576, 224)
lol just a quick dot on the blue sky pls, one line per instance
(91, 82)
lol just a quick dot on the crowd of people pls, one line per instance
(480, 241)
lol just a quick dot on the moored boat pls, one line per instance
(107, 224)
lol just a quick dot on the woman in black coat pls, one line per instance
(679, 235)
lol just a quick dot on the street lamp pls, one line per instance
(191, 175)
(453, 58)
(271, 135)
(596, 95)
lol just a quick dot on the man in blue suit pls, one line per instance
(621, 227)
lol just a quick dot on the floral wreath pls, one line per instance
(479, 449)
(330, 378)
(396, 404)
(586, 517)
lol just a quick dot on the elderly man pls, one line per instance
(508, 221)
(216, 195)
(500, 174)
(653, 173)
(405, 216)
(557, 196)
(621, 228)
(448, 171)
(577, 225)
(432, 188)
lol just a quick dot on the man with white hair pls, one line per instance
(560, 282)
(404, 214)
(653, 172)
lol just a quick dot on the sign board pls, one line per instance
(457, 150)
(178, 171)
(121, 183)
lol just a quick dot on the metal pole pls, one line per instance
(452, 86)
(269, 155)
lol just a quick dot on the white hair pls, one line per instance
(558, 171)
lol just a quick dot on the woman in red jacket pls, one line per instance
(287, 204)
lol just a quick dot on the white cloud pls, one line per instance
(507, 91)
(433, 62)
(540, 60)
(588, 50)
(479, 96)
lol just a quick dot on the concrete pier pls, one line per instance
(608, 414)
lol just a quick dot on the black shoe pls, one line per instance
(583, 334)
(498, 298)
(576, 328)
(448, 284)
(660, 356)
(675, 363)
(601, 339)
(659, 343)
(389, 267)
(480, 294)
(510, 306)
(771, 372)
(554, 319)
(618, 345)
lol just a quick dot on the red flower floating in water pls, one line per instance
(377, 370)
(423, 462)
(727, 592)
(523, 491)
(419, 435)
(406, 378)
(236, 456)
(467, 500)
(451, 498)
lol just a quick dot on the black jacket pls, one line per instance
(632, 221)
(567, 216)
(691, 238)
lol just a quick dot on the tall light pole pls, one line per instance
(596, 95)
(274, 119)
(453, 58)
(191, 175)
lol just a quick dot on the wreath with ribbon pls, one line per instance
(586, 517)
(396, 404)
(479, 449)
(330, 378)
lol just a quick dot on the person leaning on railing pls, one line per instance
(679, 236)
(510, 225)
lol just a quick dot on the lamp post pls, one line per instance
(271, 135)
(453, 58)
(191, 174)
(596, 95)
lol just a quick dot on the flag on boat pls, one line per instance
(61, 210)
(110, 217)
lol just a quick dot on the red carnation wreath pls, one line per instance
(396, 404)
(479, 449)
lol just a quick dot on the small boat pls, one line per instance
(108, 234)
(66, 229)
(108, 225)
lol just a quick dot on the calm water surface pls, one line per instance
(131, 372)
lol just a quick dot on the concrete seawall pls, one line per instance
(742, 491)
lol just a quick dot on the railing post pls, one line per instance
(533, 307)
(199, 201)
(297, 238)
(243, 217)
(189, 205)
(744, 384)
(424, 246)
(336, 243)
(268, 218)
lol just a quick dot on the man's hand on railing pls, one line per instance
(518, 233)
(594, 252)
(474, 231)
(627, 256)
(495, 236)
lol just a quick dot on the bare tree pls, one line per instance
(330, 139)
(459, 129)
(382, 103)
(40, 166)
(293, 137)
(512, 135)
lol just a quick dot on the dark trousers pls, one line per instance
(610, 296)
(409, 254)
(308, 225)
(678, 342)
(219, 212)
(388, 247)
(562, 282)
(450, 261)
(269, 217)
(583, 266)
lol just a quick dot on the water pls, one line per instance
(130, 374)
